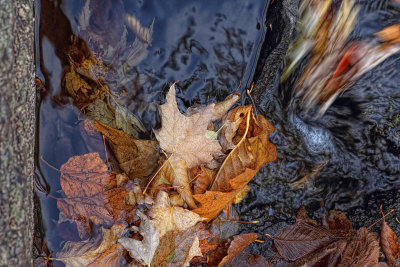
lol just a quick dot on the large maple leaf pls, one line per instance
(184, 137)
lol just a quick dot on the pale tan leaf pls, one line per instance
(84, 253)
(169, 218)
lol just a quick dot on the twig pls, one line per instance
(154, 176)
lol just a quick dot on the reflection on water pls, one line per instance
(209, 47)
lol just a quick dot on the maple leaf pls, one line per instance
(102, 250)
(184, 137)
(137, 158)
(169, 218)
(143, 251)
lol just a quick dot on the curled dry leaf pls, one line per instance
(102, 250)
(143, 251)
(201, 177)
(169, 218)
(389, 244)
(137, 158)
(252, 150)
(184, 137)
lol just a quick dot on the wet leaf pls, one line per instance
(390, 34)
(202, 177)
(143, 251)
(184, 137)
(169, 218)
(177, 248)
(252, 150)
(300, 239)
(99, 111)
(245, 259)
(361, 250)
(85, 176)
(212, 202)
(238, 243)
(389, 244)
(137, 158)
(102, 250)
(126, 121)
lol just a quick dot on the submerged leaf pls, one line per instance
(137, 158)
(102, 250)
(143, 251)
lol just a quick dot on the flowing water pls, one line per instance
(350, 156)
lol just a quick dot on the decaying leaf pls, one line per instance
(99, 111)
(300, 239)
(143, 251)
(252, 150)
(212, 202)
(184, 137)
(102, 250)
(169, 218)
(238, 243)
(201, 177)
(389, 244)
(229, 248)
(85, 176)
(126, 121)
(177, 248)
(245, 259)
(137, 158)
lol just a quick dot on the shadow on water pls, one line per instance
(351, 155)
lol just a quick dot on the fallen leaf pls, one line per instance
(245, 259)
(361, 250)
(238, 243)
(389, 244)
(99, 111)
(221, 108)
(102, 250)
(184, 137)
(252, 150)
(300, 239)
(169, 218)
(143, 251)
(126, 121)
(137, 158)
(201, 177)
(85, 175)
(177, 248)
(212, 202)
(241, 195)
(229, 248)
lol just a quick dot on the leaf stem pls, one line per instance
(154, 176)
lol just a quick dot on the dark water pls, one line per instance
(209, 47)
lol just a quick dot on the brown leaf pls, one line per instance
(362, 250)
(104, 208)
(222, 108)
(102, 250)
(169, 218)
(85, 176)
(245, 259)
(300, 239)
(238, 243)
(389, 244)
(230, 248)
(137, 158)
(251, 152)
(177, 248)
(202, 177)
(184, 137)
(212, 202)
